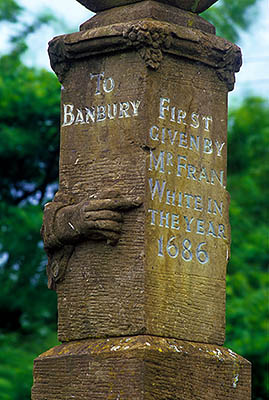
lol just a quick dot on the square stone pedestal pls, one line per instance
(140, 368)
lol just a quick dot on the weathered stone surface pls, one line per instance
(138, 234)
(140, 368)
(148, 9)
(144, 121)
(152, 40)
(195, 6)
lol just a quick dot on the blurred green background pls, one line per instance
(29, 148)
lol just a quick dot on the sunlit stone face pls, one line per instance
(196, 6)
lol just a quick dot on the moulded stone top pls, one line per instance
(196, 6)
(192, 44)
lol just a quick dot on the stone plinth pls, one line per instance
(141, 368)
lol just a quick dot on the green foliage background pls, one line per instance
(29, 147)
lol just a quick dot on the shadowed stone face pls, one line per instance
(196, 6)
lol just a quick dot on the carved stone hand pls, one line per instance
(65, 226)
(95, 219)
(98, 219)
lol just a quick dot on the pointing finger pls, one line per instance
(103, 215)
(113, 204)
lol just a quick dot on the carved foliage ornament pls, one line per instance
(149, 42)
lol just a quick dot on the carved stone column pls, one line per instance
(138, 235)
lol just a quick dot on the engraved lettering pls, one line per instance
(195, 142)
(200, 227)
(101, 113)
(218, 208)
(179, 165)
(221, 232)
(90, 114)
(175, 221)
(169, 159)
(164, 217)
(195, 121)
(99, 77)
(181, 117)
(183, 140)
(79, 118)
(188, 197)
(191, 172)
(207, 121)
(188, 229)
(172, 250)
(154, 132)
(172, 139)
(124, 107)
(198, 205)
(208, 149)
(153, 215)
(170, 197)
(156, 188)
(219, 147)
(69, 117)
(219, 178)
(108, 85)
(135, 105)
(111, 111)
(173, 114)
(157, 163)
(203, 175)
(211, 230)
(164, 106)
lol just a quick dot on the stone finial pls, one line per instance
(195, 6)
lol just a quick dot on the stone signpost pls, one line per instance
(138, 235)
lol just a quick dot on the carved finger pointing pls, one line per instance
(104, 225)
(111, 236)
(103, 215)
(113, 204)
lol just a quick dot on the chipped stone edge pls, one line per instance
(141, 346)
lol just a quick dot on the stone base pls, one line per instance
(140, 367)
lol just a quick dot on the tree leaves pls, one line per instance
(9, 11)
(247, 283)
(29, 123)
(231, 17)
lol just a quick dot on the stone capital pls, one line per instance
(152, 40)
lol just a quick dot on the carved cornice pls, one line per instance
(151, 39)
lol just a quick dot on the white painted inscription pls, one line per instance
(108, 84)
(186, 140)
(95, 114)
(92, 114)
(185, 133)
